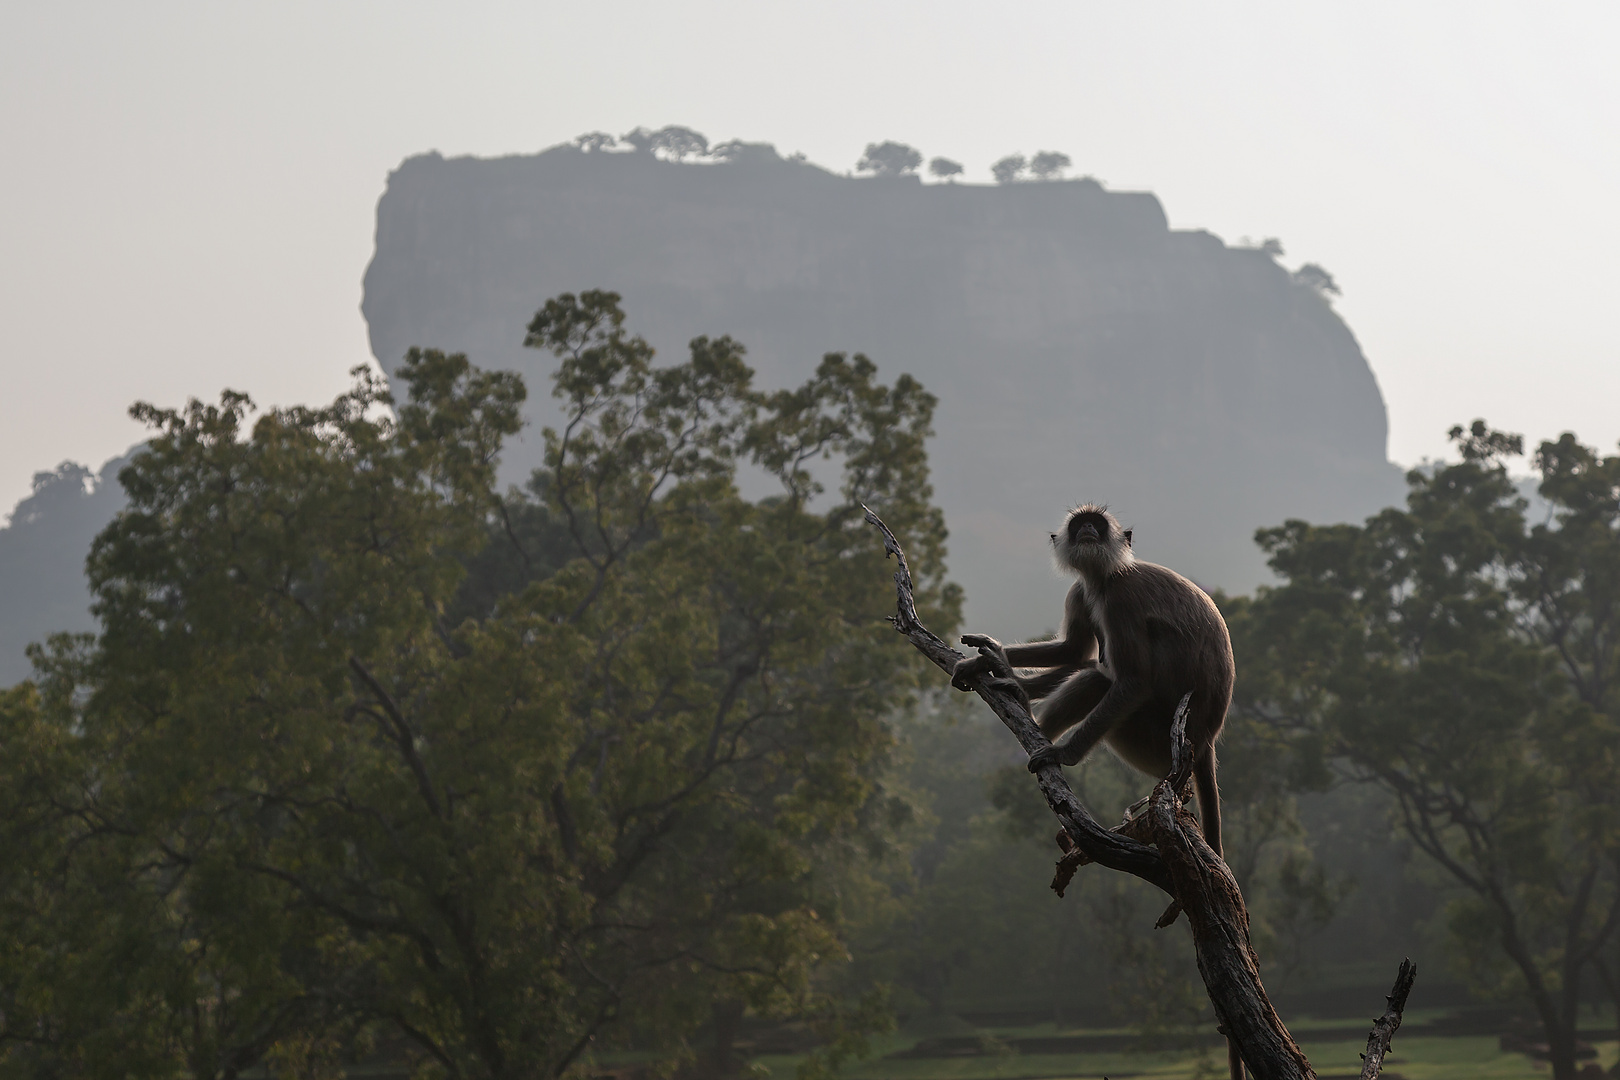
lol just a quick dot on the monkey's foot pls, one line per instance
(1136, 808)
(1046, 755)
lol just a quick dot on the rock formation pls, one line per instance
(42, 550)
(1080, 348)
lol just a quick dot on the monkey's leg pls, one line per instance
(1072, 702)
(1046, 683)
(1118, 702)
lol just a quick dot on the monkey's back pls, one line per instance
(1180, 634)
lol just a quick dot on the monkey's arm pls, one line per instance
(1059, 652)
(1076, 645)
(1075, 649)
(1062, 658)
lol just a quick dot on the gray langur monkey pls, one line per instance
(1136, 637)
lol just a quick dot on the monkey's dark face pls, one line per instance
(1092, 541)
(1088, 528)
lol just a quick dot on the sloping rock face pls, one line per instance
(1080, 348)
(42, 551)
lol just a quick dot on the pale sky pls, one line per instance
(187, 190)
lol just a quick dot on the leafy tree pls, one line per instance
(332, 770)
(679, 143)
(594, 141)
(1314, 277)
(42, 550)
(1009, 169)
(1049, 165)
(1462, 660)
(889, 159)
(672, 141)
(737, 150)
(977, 927)
(944, 168)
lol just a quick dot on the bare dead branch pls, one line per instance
(1209, 894)
(1184, 865)
(1113, 850)
(1134, 826)
(1385, 1026)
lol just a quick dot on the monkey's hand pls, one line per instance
(992, 660)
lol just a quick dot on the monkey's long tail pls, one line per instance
(1209, 816)
(1209, 799)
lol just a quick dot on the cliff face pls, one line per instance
(42, 550)
(1081, 349)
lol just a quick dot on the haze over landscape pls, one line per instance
(191, 189)
(1075, 342)
(413, 741)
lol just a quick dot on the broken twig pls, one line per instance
(1385, 1026)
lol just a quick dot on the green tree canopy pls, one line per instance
(1010, 169)
(889, 159)
(1048, 164)
(675, 142)
(368, 748)
(1463, 660)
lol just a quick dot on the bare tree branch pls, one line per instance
(402, 736)
(1113, 850)
(1209, 894)
(1385, 1026)
(1183, 865)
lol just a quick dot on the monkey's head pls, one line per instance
(1092, 542)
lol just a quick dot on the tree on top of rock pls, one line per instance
(889, 159)
(672, 142)
(738, 150)
(594, 141)
(1049, 164)
(1314, 277)
(1009, 168)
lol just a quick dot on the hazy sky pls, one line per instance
(189, 189)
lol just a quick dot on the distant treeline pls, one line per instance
(375, 757)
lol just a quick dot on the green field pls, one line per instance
(1334, 1048)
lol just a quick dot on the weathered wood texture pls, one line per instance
(1113, 850)
(1179, 862)
(1385, 1026)
(1209, 894)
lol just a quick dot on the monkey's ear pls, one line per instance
(1127, 538)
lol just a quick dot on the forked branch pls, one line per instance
(1179, 862)
(1113, 850)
